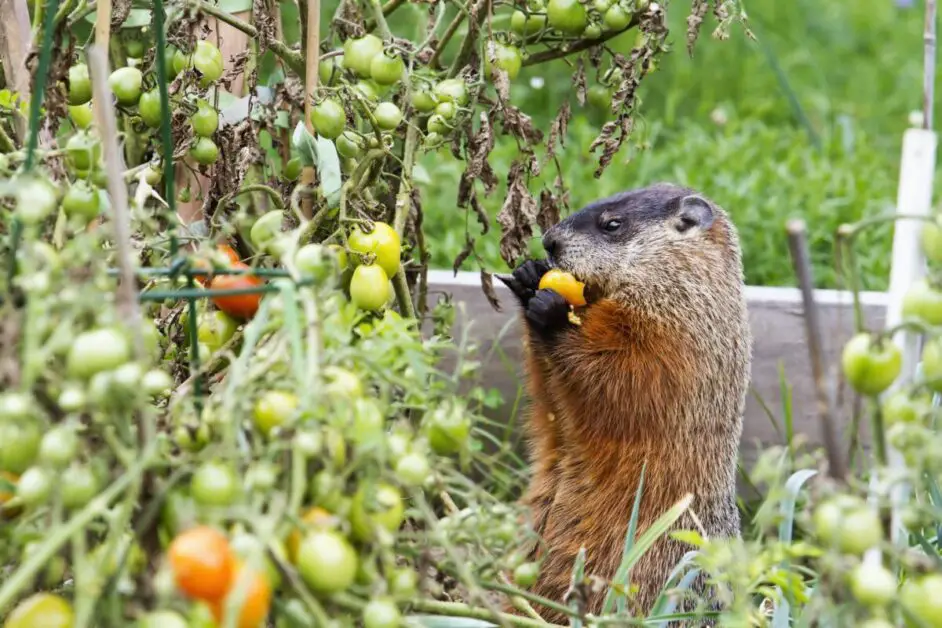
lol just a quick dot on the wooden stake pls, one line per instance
(311, 62)
(103, 40)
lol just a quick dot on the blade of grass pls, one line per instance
(657, 529)
(787, 414)
(578, 575)
(621, 576)
(782, 615)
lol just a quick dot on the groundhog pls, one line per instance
(653, 371)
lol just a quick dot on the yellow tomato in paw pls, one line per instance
(566, 285)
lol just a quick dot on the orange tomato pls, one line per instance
(202, 563)
(255, 601)
(237, 305)
(224, 252)
(313, 517)
(566, 285)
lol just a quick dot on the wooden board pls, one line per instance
(778, 350)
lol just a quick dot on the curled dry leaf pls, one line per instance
(578, 81)
(695, 21)
(558, 131)
(549, 213)
(516, 216)
(463, 255)
(487, 285)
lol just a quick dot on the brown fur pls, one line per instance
(656, 374)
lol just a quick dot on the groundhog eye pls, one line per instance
(612, 225)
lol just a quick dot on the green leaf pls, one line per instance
(321, 154)
(235, 6)
(621, 575)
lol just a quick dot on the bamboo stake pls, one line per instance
(311, 62)
(102, 39)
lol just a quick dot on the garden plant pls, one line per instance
(257, 417)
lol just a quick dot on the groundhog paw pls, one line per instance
(525, 279)
(548, 312)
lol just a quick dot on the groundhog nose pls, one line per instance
(551, 243)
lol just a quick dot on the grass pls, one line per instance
(816, 109)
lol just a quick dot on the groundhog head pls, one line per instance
(651, 242)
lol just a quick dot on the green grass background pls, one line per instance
(815, 111)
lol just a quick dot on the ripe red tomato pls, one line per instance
(202, 563)
(256, 599)
(241, 306)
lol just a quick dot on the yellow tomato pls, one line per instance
(566, 285)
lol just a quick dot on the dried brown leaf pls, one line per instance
(463, 255)
(516, 216)
(549, 210)
(487, 285)
(478, 147)
(695, 21)
(578, 81)
(558, 130)
(483, 218)
(264, 23)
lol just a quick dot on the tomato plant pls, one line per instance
(205, 120)
(871, 366)
(255, 601)
(80, 85)
(359, 53)
(569, 16)
(274, 409)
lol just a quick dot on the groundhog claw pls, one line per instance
(525, 280)
(548, 311)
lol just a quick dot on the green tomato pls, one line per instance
(375, 505)
(180, 62)
(156, 383)
(412, 469)
(525, 575)
(447, 110)
(34, 486)
(214, 484)
(96, 351)
(452, 90)
(368, 423)
(923, 598)
(79, 486)
(592, 31)
(328, 118)
(388, 116)
(358, 54)
(81, 115)
(437, 125)
(82, 201)
(330, 70)
(901, 407)
(870, 368)
(71, 399)
(567, 16)
(931, 237)
(214, 329)
(387, 69)
(366, 90)
(80, 85)
(148, 107)
(83, 151)
(162, 619)
(207, 61)
(860, 530)
(932, 363)
(36, 199)
(924, 302)
(41, 610)
(58, 446)
(600, 96)
(326, 561)
(616, 18)
(19, 446)
(369, 287)
(873, 584)
(204, 151)
(205, 121)
(506, 58)
(381, 613)
(447, 430)
(423, 100)
(524, 24)
(403, 583)
(126, 84)
(292, 169)
(15, 406)
(342, 383)
(274, 409)
(313, 260)
(349, 145)
(134, 47)
(266, 229)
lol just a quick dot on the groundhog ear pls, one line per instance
(694, 211)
